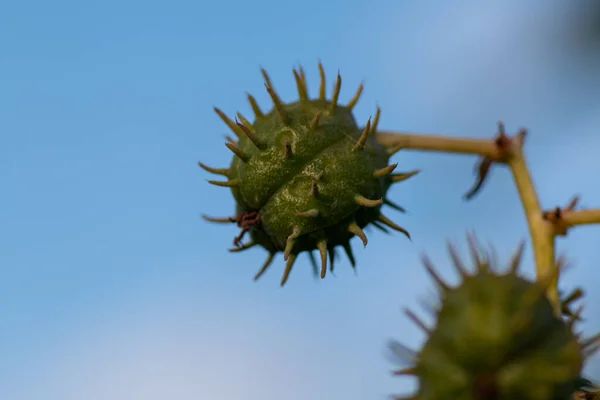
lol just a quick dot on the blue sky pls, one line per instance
(113, 287)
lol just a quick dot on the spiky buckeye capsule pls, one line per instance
(496, 337)
(305, 177)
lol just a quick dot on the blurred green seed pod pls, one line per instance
(305, 177)
(496, 337)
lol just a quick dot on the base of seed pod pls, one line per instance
(306, 177)
(496, 336)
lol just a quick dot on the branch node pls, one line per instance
(557, 217)
(506, 147)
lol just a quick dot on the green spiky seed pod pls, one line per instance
(305, 177)
(496, 337)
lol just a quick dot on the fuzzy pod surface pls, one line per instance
(305, 176)
(496, 337)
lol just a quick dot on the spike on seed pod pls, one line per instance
(231, 183)
(376, 121)
(315, 121)
(304, 176)
(360, 144)
(253, 138)
(381, 227)
(385, 171)
(258, 114)
(216, 171)
(404, 176)
(529, 352)
(238, 152)
(393, 205)
(301, 86)
(332, 257)
(244, 121)
(232, 125)
(322, 86)
(336, 93)
(230, 140)
(356, 97)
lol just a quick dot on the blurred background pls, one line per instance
(113, 287)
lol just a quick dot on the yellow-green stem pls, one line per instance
(541, 231)
(581, 217)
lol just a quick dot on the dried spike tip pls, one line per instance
(385, 220)
(258, 114)
(322, 246)
(434, 274)
(355, 229)
(404, 176)
(376, 121)
(364, 202)
(265, 266)
(288, 268)
(315, 121)
(226, 220)
(362, 140)
(385, 171)
(238, 152)
(301, 86)
(261, 145)
(336, 93)
(285, 118)
(232, 125)
(216, 171)
(244, 121)
(356, 97)
(231, 183)
(322, 87)
(266, 77)
(246, 246)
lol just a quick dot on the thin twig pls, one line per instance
(396, 141)
(582, 217)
